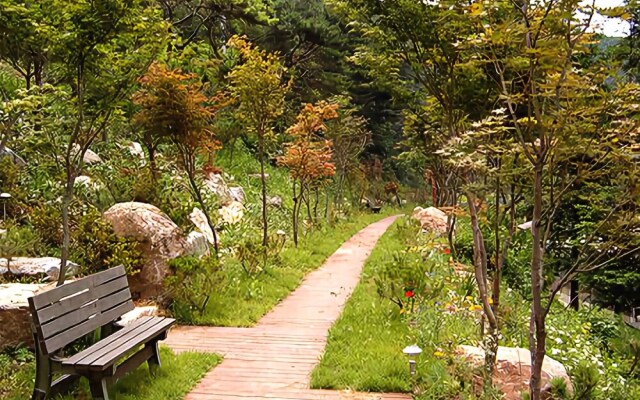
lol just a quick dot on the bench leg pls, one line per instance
(42, 386)
(154, 360)
(99, 388)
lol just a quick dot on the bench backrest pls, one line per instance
(68, 312)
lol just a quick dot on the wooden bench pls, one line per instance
(74, 310)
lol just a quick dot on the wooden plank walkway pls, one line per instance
(274, 359)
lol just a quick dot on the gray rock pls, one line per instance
(83, 180)
(199, 220)
(197, 244)
(237, 194)
(432, 219)
(17, 160)
(216, 184)
(135, 149)
(15, 319)
(275, 201)
(48, 267)
(159, 241)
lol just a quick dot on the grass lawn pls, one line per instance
(245, 299)
(364, 350)
(177, 376)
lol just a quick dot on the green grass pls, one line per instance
(364, 350)
(177, 376)
(245, 299)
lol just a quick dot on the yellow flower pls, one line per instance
(475, 307)
(439, 354)
(490, 300)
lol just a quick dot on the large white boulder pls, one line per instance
(159, 241)
(15, 319)
(216, 184)
(432, 219)
(47, 267)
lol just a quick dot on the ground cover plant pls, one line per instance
(178, 375)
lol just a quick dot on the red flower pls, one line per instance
(409, 293)
(447, 251)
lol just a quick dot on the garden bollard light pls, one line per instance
(5, 197)
(412, 352)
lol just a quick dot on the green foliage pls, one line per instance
(191, 285)
(95, 247)
(16, 371)
(19, 241)
(585, 378)
(559, 389)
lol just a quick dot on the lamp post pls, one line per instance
(412, 352)
(5, 197)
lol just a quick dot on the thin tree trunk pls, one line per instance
(480, 269)
(497, 276)
(537, 329)
(315, 206)
(296, 201)
(66, 229)
(205, 210)
(263, 181)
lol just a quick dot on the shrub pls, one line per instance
(559, 389)
(191, 284)
(585, 378)
(95, 247)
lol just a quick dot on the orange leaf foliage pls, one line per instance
(309, 156)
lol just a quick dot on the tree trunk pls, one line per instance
(574, 295)
(263, 181)
(205, 210)
(296, 202)
(66, 229)
(315, 206)
(537, 329)
(480, 269)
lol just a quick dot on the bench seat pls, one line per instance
(91, 306)
(108, 351)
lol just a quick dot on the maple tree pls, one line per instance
(308, 156)
(174, 107)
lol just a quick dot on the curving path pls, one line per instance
(274, 359)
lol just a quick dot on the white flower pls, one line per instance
(558, 340)
(555, 352)
(499, 111)
(280, 232)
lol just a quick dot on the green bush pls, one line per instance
(559, 389)
(95, 247)
(191, 284)
(585, 378)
